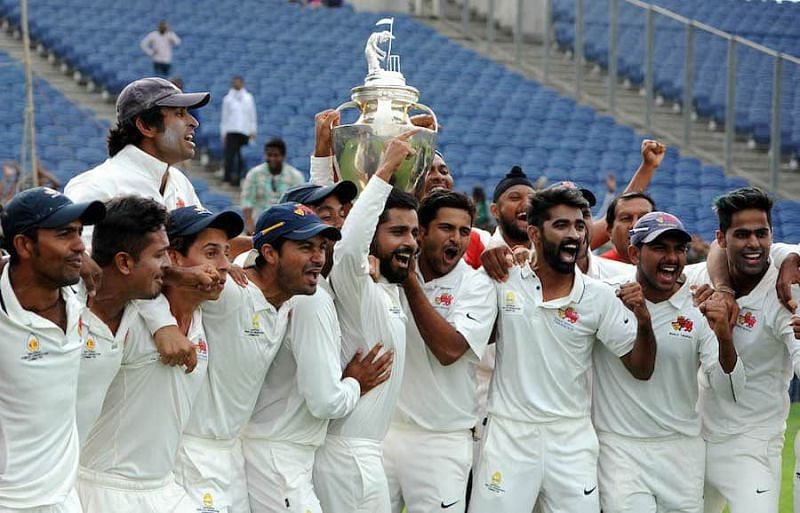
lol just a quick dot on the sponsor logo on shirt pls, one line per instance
(444, 300)
(494, 484)
(746, 321)
(208, 504)
(33, 349)
(255, 327)
(395, 309)
(683, 324)
(202, 350)
(88, 351)
(511, 304)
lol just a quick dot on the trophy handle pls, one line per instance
(428, 110)
(349, 105)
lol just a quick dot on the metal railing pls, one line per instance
(651, 16)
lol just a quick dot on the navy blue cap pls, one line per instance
(651, 226)
(191, 220)
(291, 221)
(587, 194)
(311, 194)
(43, 207)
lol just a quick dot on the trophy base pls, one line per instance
(358, 150)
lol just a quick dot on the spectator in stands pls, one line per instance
(698, 249)
(158, 45)
(622, 214)
(237, 127)
(482, 218)
(265, 184)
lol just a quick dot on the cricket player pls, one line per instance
(540, 444)
(652, 457)
(744, 439)
(428, 450)
(130, 246)
(130, 453)
(348, 471)
(39, 315)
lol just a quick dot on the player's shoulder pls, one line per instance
(596, 293)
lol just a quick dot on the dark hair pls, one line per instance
(611, 213)
(276, 143)
(438, 199)
(741, 199)
(398, 199)
(126, 133)
(8, 243)
(544, 200)
(478, 193)
(125, 229)
(277, 245)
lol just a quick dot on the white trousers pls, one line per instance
(349, 476)
(212, 472)
(744, 473)
(427, 471)
(651, 476)
(796, 479)
(70, 505)
(279, 477)
(104, 493)
(522, 463)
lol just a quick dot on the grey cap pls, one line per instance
(146, 93)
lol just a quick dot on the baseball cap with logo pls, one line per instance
(291, 221)
(587, 194)
(144, 94)
(191, 220)
(42, 207)
(655, 224)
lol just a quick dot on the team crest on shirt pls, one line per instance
(444, 300)
(566, 318)
(33, 349)
(495, 483)
(746, 320)
(208, 504)
(511, 303)
(255, 327)
(683, 324)
(201, 348)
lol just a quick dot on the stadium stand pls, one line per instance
(768, 23)
(297, 62)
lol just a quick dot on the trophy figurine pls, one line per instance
(384, 103)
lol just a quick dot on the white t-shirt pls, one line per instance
(38, 383)
(544, 349)
(766, 345)
(146, 409)
(606, 269)
(304, 387)
(101, 357)
(666, 404)
(368, 313)
(438, 397)
(245, 331)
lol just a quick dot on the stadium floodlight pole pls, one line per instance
(465, 17)
(730, 104)
(548, 31)
(775, 135)
(30, 126)
(688, 83)
(518, 33)
(578, 54)
(490, 26)
(649, 34)
(613, 18)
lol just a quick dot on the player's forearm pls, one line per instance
(641, 360)
(641, 178)
(727, 352)
(360, 225)
(446, 344)
(717, 265)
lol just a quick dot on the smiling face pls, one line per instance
(395, 243)
(444, 241)
(747, 242)
(146, 276)
(56, 255)
(176, 142)
(660, 263)
(510, 211)
(211, 247)
(437, 177)
(300, 264)
(560, 239)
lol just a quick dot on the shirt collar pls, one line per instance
(450, 279)
(575, 295)
(142, 162)
(755, 299)
(15, 311)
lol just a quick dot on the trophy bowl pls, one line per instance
(384, 104)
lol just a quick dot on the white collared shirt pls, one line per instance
(544, 348)
(304, 387)
(368, 313)
(159, 46)
(101, 357)
(438, 397)
(765, 342)
(146, 409)
(238, 113)
(245, 331)
(665, 404)
(38, 383)
(131, 171)
(605, 269)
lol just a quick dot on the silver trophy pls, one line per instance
(384, 103)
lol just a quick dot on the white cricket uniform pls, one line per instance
(652, 458)
(245, 331)
(428, 450)
(539, 443)
(101, 357)
(744, 439)
(348, 471)
(38, 383)
(303, 389)
(129, 455)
